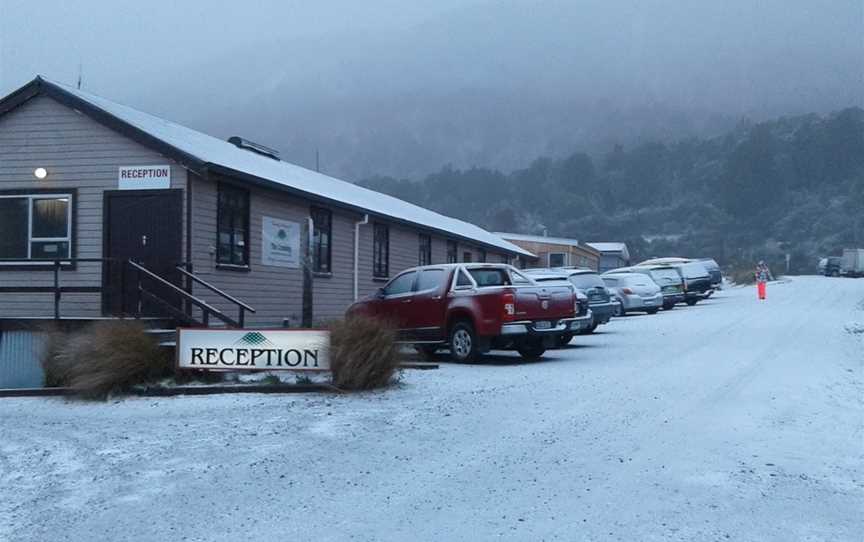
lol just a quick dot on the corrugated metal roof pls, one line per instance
(211, 150)
(539, 239)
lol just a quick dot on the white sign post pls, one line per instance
(280, 242)
(144, 177)
(253, 349)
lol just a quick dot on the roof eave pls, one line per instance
(220, 170)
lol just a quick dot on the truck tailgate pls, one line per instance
(544, 302)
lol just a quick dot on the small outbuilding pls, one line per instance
(554, 251)
(109, 211)
(612, 255)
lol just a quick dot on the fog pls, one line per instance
(399, 88)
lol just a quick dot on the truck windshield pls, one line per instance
(489, 277)
(586, 281)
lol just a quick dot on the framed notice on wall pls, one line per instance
(280, 242)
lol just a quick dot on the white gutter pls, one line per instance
(357, 254)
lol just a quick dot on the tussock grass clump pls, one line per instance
(104, 358)
(363, 353)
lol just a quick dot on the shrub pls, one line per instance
(363, 353)
(105, 358)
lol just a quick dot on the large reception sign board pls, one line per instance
(253, 349)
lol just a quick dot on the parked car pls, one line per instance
(711, 266)
(714, 271)
(697, 282)
(669, 278)
(637, 292)
(830, 266)
(588, 281)
(472, 308)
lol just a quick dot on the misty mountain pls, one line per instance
(495, 84)
(790, 185)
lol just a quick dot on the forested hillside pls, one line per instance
(792, 185)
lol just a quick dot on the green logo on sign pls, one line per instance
(254, 338)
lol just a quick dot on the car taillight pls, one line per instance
(627, 291)
(509, 306)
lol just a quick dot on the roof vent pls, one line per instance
(254, 147)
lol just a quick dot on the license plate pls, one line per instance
(542, 325)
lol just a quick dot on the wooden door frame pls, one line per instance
(107, 195)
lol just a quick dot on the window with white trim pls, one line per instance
(557, 259)
(36, 226)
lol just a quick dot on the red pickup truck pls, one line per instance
(473, 308)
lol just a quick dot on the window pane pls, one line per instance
(13, 225)
(401, 284)
(233, 221)
(556, 259)
(463, 280)
(50, 218)
(467, 257)
(489, 277)
(430, 279)
(381, 251)
(321, 227)
(49, 250)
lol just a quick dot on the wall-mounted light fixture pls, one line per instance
(40, 173)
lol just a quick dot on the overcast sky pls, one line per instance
(365, 77)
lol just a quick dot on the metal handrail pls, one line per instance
(214, 289)
(56, 264)
(201, 303)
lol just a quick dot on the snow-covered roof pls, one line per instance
(611, 247)
(539, 239)
(213, 151)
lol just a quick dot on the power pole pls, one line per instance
(80, 75)
(317, 161)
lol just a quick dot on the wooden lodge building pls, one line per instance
(110, 211)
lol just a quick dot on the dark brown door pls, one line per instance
(145, 226)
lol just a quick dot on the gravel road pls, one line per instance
(732, 420)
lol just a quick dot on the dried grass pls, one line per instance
(104, 359)
(363, 353)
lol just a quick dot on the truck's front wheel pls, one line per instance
(463, 343)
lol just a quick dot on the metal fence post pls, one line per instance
(56, 289)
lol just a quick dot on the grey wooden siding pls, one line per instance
(80, 154)
(276, 292)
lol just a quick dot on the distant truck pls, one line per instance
(852, 264)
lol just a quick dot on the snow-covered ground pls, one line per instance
(732, 420)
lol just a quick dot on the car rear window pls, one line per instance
(430, 279)
(489, 277)
(694, 270)
(610, 281)
(665, 276)
(586, 281)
